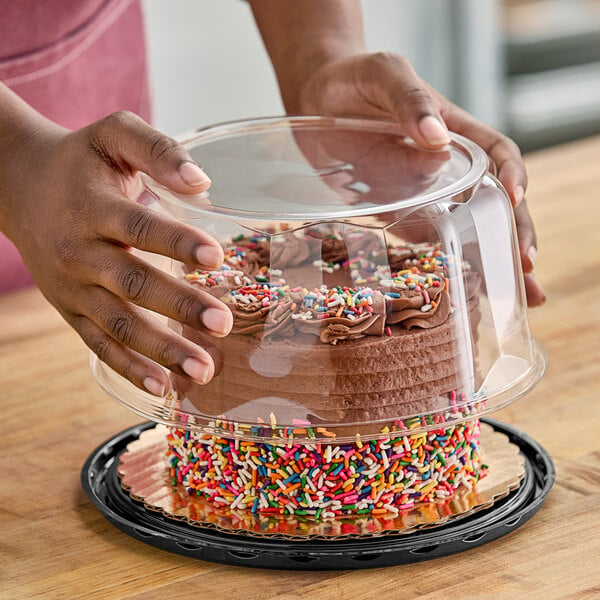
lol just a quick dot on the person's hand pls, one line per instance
(386, 86)
(74, 221)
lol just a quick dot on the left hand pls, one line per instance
(384, 85)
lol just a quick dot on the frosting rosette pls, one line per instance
(264, 305)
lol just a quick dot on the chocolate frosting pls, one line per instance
(411, 294)
(407, 310)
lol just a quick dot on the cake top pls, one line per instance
(267, 284)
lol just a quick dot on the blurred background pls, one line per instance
(529, 67)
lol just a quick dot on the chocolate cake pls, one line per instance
(337, 328)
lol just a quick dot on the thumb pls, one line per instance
(411, 102)
(127, 140)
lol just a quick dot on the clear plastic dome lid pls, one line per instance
(375, 286)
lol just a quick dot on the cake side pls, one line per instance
(325, 480)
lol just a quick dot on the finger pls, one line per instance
(134, 328)
(528, 252)
(199, 338)
(501, 149)
(129, 277)
(535, 292)
(126, 141)
(526, 237)
(142, 372)
(401, 91)
(140, 227)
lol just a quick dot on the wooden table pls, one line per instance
(55, 544)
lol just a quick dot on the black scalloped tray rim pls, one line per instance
(100, 481)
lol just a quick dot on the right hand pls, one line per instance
(385, 85)
(73, 219)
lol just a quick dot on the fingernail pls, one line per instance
(209, 256)
(217, 320)
(519, 194)
(154, 386)
(192, 174)
(197, 370)
(532, 254)
(434, 131)
(538, 296)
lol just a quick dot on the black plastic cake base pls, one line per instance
(101, 484)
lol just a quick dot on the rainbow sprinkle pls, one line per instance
(324, 480)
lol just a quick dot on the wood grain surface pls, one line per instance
(54, 543)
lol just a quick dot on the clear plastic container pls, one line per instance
(375, 286)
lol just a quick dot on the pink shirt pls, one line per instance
(75, 61)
